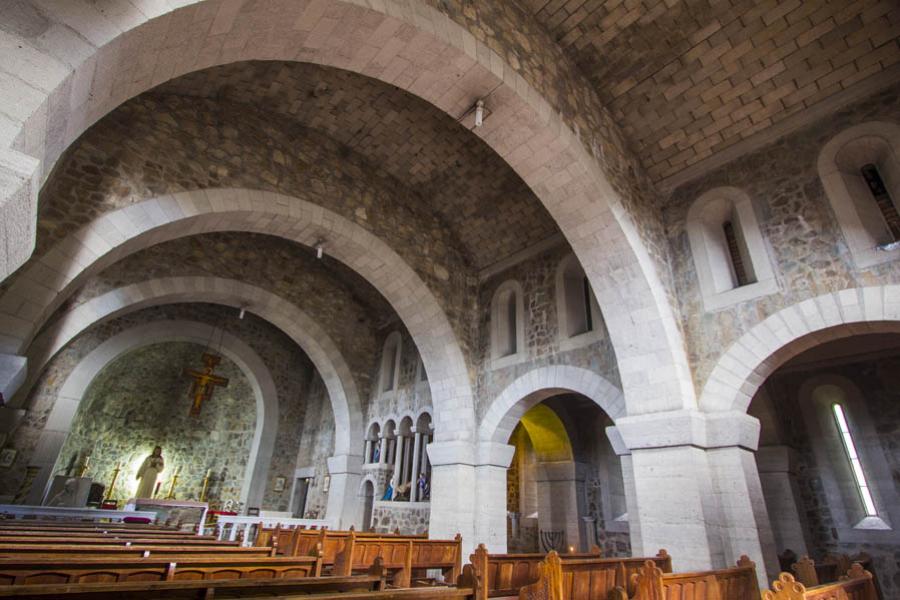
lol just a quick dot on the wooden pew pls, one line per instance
(598, 579)
(129, 551)
(736, 583)
(344, 588)
(403, 557)
(858, 584)
(835, 566)
(505, 574)
(10, 540)
(370, 587)
(25, 571)
(123, 535)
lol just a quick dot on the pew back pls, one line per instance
(23, 571)
(126, 551)
(857, 585)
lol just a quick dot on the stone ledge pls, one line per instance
(689, 428)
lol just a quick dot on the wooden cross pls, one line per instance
(204, 382)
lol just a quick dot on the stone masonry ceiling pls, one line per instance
(485, 204)
(688, 78)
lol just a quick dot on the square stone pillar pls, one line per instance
(343, 507)
(490, 480)
(453, 490)
(776, 466)
(696, 490)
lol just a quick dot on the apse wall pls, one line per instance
(141, 400)
(289, 367)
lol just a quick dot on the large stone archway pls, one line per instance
(407, 44)
(746, 365)
(73, 389)
(344, 467)
(498, 422)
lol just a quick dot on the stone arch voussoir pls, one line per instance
(539, 384)
(746, 365)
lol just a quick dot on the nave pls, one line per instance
(546, 276)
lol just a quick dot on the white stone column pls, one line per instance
(490, 495)
(367, 453)
(696, 492)
(453, 492)
(779, 486)
(383, 457)
(345, 471)
(398, 464)
(417, 451)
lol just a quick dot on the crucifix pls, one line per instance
(204, 382)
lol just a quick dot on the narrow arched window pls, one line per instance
(577, 307)
(507, 323)
(860, 171)
(390, 362)
(728, 249)
(859, 475)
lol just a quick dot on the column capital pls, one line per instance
(689, 428)
(494, 454)
(457, 452)
(345, 463)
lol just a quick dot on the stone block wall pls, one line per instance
(803, 240)
(409, 517)
(316, 444)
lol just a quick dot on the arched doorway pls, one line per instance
(565, 490)
(827, 458)
(368, 503)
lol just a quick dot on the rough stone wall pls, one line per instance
(141, 399)
(537, 276)
(878, 383)
(805, 246)
(342, 303)
(410, 395)
(289, 367)
(409, 518)
(316, 445)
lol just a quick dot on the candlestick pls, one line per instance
(171, 494)
(84, 466)
(205, 486)
(112, 485)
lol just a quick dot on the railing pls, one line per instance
(230, 525)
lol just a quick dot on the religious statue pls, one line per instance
(147, 474)
(389, 491)
(204, 382)
(422, 484)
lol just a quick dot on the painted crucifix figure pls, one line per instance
(205, 382)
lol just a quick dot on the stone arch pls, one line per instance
(539, 384)
(128, 230)
(407, 44)
(74, 387)
(746, 365)
(322, 351)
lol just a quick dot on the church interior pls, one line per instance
(563, 299)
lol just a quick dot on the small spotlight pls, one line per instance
(479, 113)
(243, 310)
(320, 251)
(888, 247)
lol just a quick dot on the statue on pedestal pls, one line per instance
(147, 474)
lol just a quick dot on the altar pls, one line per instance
(183, 514)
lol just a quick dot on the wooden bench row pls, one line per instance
(505, 574)
(371, 586)
(857, 584)
(124, 551)
(33, 571)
